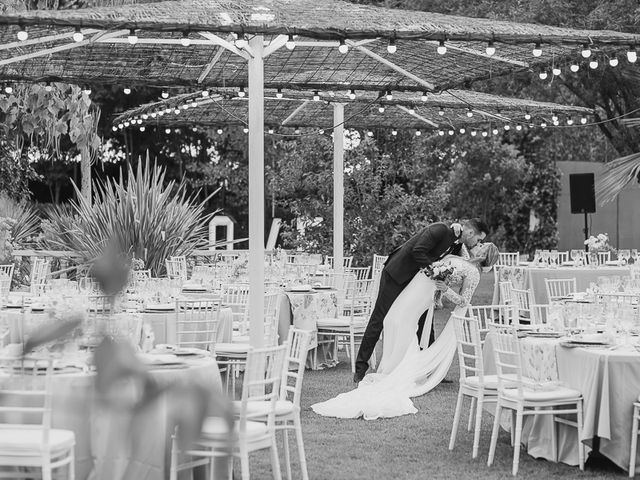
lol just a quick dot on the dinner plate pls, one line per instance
(300, 288)
(178, 351)
(193, 288)
(322, 287)
(543, 334)
(160, 307)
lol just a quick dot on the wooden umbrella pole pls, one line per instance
(338, 185)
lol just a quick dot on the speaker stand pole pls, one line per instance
(586, 231)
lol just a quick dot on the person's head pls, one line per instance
(473, 231)
(487, 255)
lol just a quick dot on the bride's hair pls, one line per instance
(490, 254)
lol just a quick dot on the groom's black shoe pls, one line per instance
(357, 377)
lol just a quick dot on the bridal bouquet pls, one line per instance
(442, 271)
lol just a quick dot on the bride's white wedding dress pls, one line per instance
(405, 371)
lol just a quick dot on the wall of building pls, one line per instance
(620, 219)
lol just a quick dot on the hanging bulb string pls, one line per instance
(601, 122)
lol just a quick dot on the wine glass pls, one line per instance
(634, 255)
(624, 255)
(575, 254)
(554, 256)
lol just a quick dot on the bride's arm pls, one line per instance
(469, 285)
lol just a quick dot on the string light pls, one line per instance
(586, 51)
(451, 132)
(537, 50)
(126, 123)
(632, 55)
(241, 42)
(177, 111)
(22, 34)
(78, 36)
(127, 90)
(473, 133)
(462, 130)
(352, 94)
(185, 41)
(424, 96)
(48, 87)
(569, 121)
(121, 126)
(574, 67)
(593, 64)
(381, 109)
(195, 129)
(389, 95)
(279, 93)
(245, 130)
(160, 113)
(114, 128)
(556, 123)
(316, 96)
(297, 131)
(543, 125)
(412, 110)
(290, 43)
(495, 131)
(442, 48)
(394, 132)
(613, 61)
(518, 127)
(507, 127)
(491, 49)
(205, 92)
(554, 117)
(270, 131)
(369, 133)
(418, 132)
(485, 133)
(219, 131)
(441, 133)
(167, 131)
(392, 48)
(469, 113)
(343, 47)
(527, 116)
(185, 106)
(441, 112)
(583, 120)
(321, 131)
(87, 90)
(543, 75)
(154, 114)
(145, 116)
(132, 38)
(556, 71)
(142, 128)
(241, 92)
(165, 94)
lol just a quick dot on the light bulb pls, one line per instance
(48, 87)
(185, 106)
(279, 93)
(424, 96)
(632, 55)
(245, 130)
(241, 92)
(583, 120)
(441, 133)
(241, 42)
(195, 129)
(412, 111)
(205, 92)
(442, 48)
(126, 90)
(441, 112)
(290, 44)
(485, 133)
(556, 123)
(219, 131)
(556, 71)
(121, 126)
(369, 133)
(613, 61)
(381, 109)
(160, 113)
(392, 48)
(518, 127)
(132, 38)
(22, 34)
(167, 131)
(451, 132)
(574, 67)
(495, 131)
(554, 117)
(473, 133)
(543, 75)
(586, 51)
(297, 131)
(316, 96)
(142, 128)
(352, 94)
(527, 116)
(389, 95)
(507, 127)
(537, 50)
(154, 114)
(469, 113)
(569, 121)
(343, 47)
(87, 90)
(418, 132)
(321, 131)
(593, 64)
(165, 94)
(462, 130)
(185, 41)
(394, 132)
(177, 111)
(491, 49)
(114, 128)
(126, 123)
(78, 36)
(168, 110)
(270, 131)
(543, 124)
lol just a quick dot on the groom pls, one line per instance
(428, 246)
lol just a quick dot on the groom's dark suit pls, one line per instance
(431, 244)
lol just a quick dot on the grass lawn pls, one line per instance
(411, 446)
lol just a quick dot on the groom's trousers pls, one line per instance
(387, 294)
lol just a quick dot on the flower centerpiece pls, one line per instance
(596, 244)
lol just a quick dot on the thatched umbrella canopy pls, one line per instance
(446, 110)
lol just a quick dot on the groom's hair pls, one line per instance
(478, 225)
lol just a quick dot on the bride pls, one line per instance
(406, 370)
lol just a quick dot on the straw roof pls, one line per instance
(404, 111)
(159, 58)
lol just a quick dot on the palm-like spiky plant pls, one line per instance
(143, 218)
(27, 222)
(619, 174)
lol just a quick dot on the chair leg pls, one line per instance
(456, 419)
(303, 459)
(46, 470)
(494, 433)
(476, 433)
(554, 437)
(580, 444)
(244, 464)
(352, 349)
(72, 464)
(516, 446)
(229, 468)
(275, 461)
(634, 442)
(287, 456)
(471, 411)
(173, 468)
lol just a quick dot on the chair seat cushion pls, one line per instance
(240, 338)
(214, 428)
(490, 382)
(558, 393)
(341, 322)
(224, 349)
(260, 407)
(20, 441)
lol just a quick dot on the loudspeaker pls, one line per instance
(583, 193)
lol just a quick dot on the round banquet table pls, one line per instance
(101, 451)
(609, 380)
(533, 278)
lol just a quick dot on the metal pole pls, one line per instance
(338, 185)
(256, 193)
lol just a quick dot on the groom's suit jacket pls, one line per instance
(431, 244)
